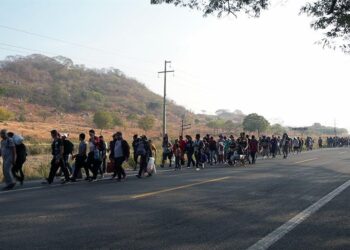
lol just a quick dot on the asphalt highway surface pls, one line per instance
(298, 203)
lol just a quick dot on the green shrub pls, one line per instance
(5, 115)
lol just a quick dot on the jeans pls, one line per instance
(18, 168)
(143, 164)
(253, 155)
(190, 160)
(93, 165)
(6, 169)
(118, 167)
(212, 156)
(80, 162)
(55, 165)
(197, 156)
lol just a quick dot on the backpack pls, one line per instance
(21, 151)
(68, 147)
(140, 148)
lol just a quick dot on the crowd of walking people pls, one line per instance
(97, 157)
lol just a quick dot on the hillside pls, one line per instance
(68, 88)
(47, 93)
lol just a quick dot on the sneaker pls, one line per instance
(64, 181)
(9, 187)
(197, 169)
(138, 176)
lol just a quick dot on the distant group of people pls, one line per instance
(92, 156)
(208, 149)
(231, 150)
(96, 157)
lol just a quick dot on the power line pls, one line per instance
(76, 44)
(24, 50)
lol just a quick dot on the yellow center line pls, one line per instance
(305, 160)
(177, 188)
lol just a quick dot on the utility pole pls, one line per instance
(184, 126)
(335, 127)
(164, 99)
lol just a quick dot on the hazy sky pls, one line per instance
(269, 65)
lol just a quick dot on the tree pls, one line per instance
(103, 120)
(254, 122)
(22, 117)
(277, 129)
(146, 123)
(132, 118)
(216, 125)
(332, 16)
(229, 126)
(5, 115)
(154, 106)
(117, 121)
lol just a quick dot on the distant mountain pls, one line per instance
(58, 83)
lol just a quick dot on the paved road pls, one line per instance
(216, 208)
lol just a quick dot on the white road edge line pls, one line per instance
(280, 232)
(298, 162)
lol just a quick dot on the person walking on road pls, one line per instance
(135, 140)
(145, 152)
(285, 145)
(120, 152)
(253, 148)
(94, 159)
(167, 151)
(189, 149)
(8, 153)
(21, 157)
(80, 158)
(198, 146)
(57, 158)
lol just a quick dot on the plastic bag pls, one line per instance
(151, 167)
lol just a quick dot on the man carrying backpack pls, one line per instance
(8, 153)
(189, 149)
(135, 141)
(57, 158)
(103, 152)
(21, 152)
(198, 146)
(145, 152)
(80, 158)
(94, 159)
(120, 152)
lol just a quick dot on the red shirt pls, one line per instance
(253, 145)
(182, 145)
